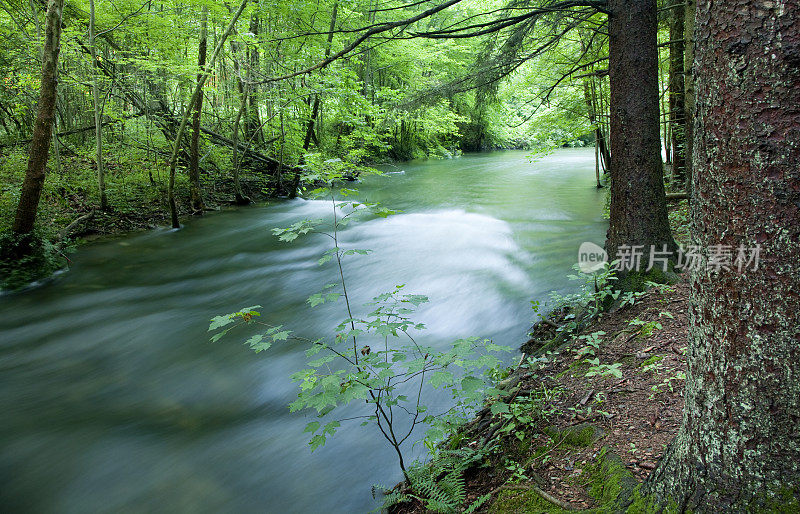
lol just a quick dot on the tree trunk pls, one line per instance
(688, 93)
(40, 145)
(676, 86)
(173, 164)
(315, 109)
(638, 205)
(194, 162)
(739, 445)
(598, 137)
(240, 198)
(253, 126)
(98, 126)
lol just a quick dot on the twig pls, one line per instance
(532, 487)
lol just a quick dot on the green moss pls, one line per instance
(637, 280)
(579, 436)
(610, 482)
(523, 501)
(651, 360)
(784, 500)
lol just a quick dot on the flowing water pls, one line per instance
(113, 399)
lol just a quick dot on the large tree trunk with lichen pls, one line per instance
(739, 446)
(40, 145)
(638, 204)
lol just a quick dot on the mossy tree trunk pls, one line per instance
(33, 183)
(739, 445)
(638, 202)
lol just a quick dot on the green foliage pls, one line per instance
(518, 417)
(679, 222)
(373, 358)
(646, 328)
(440, 484)
(25, 259)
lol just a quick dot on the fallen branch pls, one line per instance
(64, 232)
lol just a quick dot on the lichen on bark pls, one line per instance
(739, 445)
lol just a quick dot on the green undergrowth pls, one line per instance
(524, 432)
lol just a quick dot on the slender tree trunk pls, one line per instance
(315, 109)
(240, 198)
(591, 108)
(173, 208)
(739, 445)
(688, 89)
(253, 126)
(676, 95)
(638, 203)
(194, 162)
(40, 145)
(98, 126)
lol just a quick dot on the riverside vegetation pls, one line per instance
(208, 103)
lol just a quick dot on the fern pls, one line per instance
(440, 485)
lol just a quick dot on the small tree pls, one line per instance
(28, 206)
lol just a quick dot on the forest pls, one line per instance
(398, 190)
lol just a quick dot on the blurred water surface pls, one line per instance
(113, 399)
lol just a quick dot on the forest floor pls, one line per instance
(574, 439)
(136, 191)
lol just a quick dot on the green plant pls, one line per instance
(631, 297)
(603, 369)
(592, 346)
(667, 383)
(519, 472)
(653, 364)
(440, 484)
(24, 259)
(646, 328)
(372, 358)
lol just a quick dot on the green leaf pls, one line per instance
(440, 378)
(471, 384)
(499, 407)
(220, 321)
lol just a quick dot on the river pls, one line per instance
(113, 399)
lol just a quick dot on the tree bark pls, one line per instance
(677, 116)
(738, 448)
(194, 161)
(638, 204)
(40, 145)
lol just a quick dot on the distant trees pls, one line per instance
(739, 446)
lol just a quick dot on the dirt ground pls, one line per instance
(633, 411)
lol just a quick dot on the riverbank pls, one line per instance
(69, 213)
(588, 411)
(587, 414)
